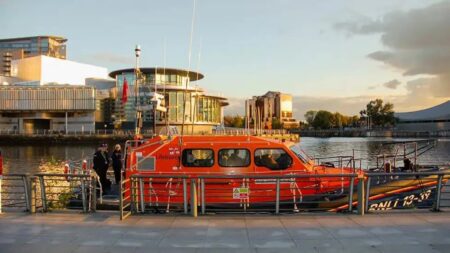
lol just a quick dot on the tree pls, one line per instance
(379, 114)
(309, 116)
(233, 121)
(238, 121)
(323, 120)
(276, 124)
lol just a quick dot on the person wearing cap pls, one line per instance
(117, 162)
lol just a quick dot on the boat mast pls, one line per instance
(137, 51)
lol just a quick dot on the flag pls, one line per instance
(125, 91)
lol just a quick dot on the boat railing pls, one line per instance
(401, 151)
(346, 161)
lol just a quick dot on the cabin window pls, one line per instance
(234, 157)
(198, 157)
(273, 159)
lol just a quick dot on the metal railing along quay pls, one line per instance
(58, 190)
(146, 193)
(14, 192)
(283, 193)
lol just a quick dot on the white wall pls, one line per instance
(49, 70)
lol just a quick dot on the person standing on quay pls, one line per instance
(117, 162)
(101, 164)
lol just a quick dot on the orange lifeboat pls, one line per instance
(228, 163)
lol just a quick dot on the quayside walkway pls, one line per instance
(417, 231)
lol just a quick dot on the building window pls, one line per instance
(234, 157)
(198, 158)
(273, 159)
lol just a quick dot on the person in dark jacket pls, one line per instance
(117, 162)
(101, 164)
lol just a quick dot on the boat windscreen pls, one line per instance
(300, 153)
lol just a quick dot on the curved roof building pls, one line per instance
(202, 113)
(436, 118)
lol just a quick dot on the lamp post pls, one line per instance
(137, 51)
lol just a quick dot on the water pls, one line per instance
(41, 158)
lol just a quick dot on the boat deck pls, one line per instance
(415, 231)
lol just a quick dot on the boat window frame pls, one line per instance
(272, 169)
(183, 161)
(246, 165)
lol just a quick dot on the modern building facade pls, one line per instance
(436, 118)
(265, 110)
(200, 112)
(19, 48)
(54, 108)
(105, 102)
(42, 70)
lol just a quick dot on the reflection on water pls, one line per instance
(36, 158)
(368, 148)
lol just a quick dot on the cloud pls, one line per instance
(417, 43)
(393, 84)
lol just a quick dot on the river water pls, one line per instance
(38, 158)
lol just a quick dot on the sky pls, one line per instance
(334, 55)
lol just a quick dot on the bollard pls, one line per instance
(32, 195)
(361, 195)
(193, 198)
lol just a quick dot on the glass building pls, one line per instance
(19, 48)
(201, 111)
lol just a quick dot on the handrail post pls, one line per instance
(33, 195)
(185, 198)
(437, 202)
(93, 191)
(43, 194)
(366, 204)
(193, 198)
(361, 195)
(350, 194)
(121, 200)
(277, 201)
(83, 194)
(202, 195)
(141, 195)
(26, 190)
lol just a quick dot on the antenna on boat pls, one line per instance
(155, 101)
(188, 72)
(196, 98)
(166, 104)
